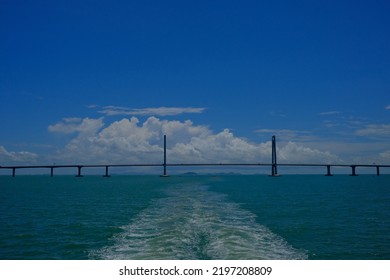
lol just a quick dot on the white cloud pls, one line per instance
(387, 107)
(222, 147)
(24, 157)
(159, 111)
(385, 156)
(375, 130)
(129, 141)
(296, 153)
(330, 113)
(71, 125)
(132, 141)
(72, 120)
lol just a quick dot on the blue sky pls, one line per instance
(81, 76)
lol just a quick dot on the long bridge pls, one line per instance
(274, 165)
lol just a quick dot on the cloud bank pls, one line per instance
(130, 141)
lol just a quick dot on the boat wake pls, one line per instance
(191, 223)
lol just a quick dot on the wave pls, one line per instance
(193, 222)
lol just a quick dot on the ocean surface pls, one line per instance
(195, 217)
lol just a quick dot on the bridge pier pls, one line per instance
(13, 172)
(353, 170)
(328, 173)
(51, 171)
(79, 171)
(274, 170)
(377, 171)
(106, 175)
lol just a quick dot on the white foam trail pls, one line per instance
(195, 223)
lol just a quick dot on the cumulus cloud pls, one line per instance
(132, 141)
(71, 125)
(296, 153)
(159, 111)
(222, 147)
(16, 157)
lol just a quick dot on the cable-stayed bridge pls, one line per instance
(164, 165)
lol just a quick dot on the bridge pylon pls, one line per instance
(165, 159)
(274, 166)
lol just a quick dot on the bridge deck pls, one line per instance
(164, 165)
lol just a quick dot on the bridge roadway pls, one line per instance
(165, 165)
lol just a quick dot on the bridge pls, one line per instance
(274, 165)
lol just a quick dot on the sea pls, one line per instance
(220, 217)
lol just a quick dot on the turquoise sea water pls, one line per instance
(195, 217)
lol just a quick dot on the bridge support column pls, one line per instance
(353, 170)
(165, 159)
(51, 171)
(13, 172)
(274, 170)
(328, 173)
(79, 171)
(106, 175)
(377, 171)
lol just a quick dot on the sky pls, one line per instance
(102, 81)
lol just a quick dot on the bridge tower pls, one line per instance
(274, 167)
(165, 159)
